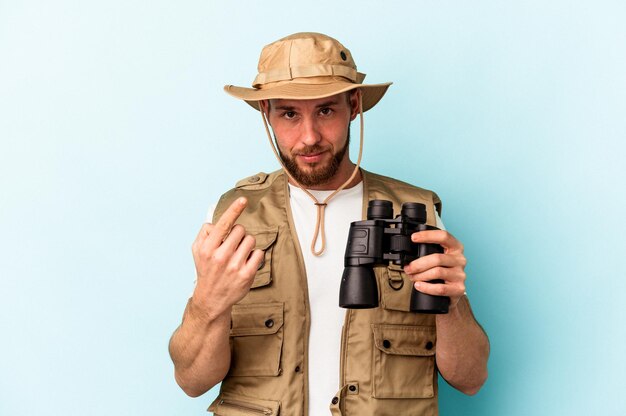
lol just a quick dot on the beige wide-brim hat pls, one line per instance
(307, 66)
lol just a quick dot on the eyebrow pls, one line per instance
(328, 103)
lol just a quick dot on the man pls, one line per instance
(264, 318)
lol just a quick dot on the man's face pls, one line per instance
(313, 137)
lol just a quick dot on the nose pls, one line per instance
(310, 131)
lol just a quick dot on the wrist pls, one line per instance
(457, 311)
(204, 314)
(454, 301)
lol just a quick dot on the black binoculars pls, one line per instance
(379, 241)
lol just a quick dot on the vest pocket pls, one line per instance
(403, 361)
(233, 405)
(265, 239)
(256, 339)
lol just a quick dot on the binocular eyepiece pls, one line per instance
(379, 241)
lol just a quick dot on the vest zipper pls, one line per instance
(246, 407)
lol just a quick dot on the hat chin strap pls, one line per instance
(321, 206)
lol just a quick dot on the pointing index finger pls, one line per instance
(226, 222)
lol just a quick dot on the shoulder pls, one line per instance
(256, 188)
(375, 178)
(380, 183)
(258, 181)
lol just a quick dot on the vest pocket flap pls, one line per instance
(405, 339)
(234, 405)
(265, 239)
(395, 287)
(256, 319)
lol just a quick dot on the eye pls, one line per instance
(326, 111)
(289, 115)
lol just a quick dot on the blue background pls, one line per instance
(116, 136)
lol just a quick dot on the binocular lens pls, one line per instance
(379, 209)
(414, 211)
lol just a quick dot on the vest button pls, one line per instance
(429, 345)
(352, 387)
(254, 179)
(386, 343)
(269, 323)
(297, 369)
(335, 400)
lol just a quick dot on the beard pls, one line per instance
(317, 174)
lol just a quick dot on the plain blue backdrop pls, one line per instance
(115, 137)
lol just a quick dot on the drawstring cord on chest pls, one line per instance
(321, 206)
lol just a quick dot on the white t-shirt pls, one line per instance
(324, 277)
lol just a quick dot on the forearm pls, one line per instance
(200, 350)
(462, 349)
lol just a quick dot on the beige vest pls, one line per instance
(387, 353)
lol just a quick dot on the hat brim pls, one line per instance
(372, 93)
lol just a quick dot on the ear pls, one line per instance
(355, 101)
(264, 106)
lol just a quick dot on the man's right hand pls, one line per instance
(226, 263)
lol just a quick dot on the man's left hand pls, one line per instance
(448, 266)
